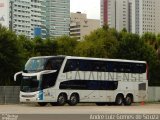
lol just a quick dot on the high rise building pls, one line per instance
(104, 11)
(23, 16)
(115, 13)
(149, 17)
(58, 17)
(137, 16)
(36, 17)
(81, 26)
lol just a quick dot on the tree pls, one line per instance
(150, 38)
(50, 47)
(100, 43)
(39, 48)
(66, 45)
(10, 56)
(27, 46)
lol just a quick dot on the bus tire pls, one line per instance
(61, 100)
(74, 99)
(100, 104)
(42, 103)
(119, 100)
(128, 100)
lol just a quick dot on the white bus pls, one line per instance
(68, 79)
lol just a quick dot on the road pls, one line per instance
(80, 109)
(79, 112)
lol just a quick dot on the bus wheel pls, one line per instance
(128, 100)
(101, 104)
(61, 99)
(119, 100)
(42, 103)
(74, 99)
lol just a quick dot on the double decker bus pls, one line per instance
(69, 79)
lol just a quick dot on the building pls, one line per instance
(81, 26)
(58, 17)
(23, 16)
(33, 18)
(137, 16)
(104, 11)
(115, 13)
(149, 17)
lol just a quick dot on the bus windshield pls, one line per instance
(39, 64)
(35, 65)
(29, 84)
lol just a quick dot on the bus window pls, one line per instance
(48, 80)
(71, 65)
(54, 64)
(49, 66)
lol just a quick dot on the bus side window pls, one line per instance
(109, 66)
(84, 65)
(71, 65)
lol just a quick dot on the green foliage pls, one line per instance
(10, 56)
(100, 43)
(66, 45)
(150, 39)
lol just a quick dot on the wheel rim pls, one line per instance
(119, 100)
(128, 100)
(73, 99)
(61, 100)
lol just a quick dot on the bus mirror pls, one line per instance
(17, 76)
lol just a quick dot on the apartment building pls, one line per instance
(58, 17)
(137, 16)
(44, 18)
(81, 26)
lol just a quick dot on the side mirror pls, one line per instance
(17, 76)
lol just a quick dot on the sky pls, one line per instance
(90, 7)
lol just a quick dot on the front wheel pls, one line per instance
(74, 99)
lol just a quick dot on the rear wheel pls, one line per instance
(128, 100)
(61, 99)
(74, 99)
(42, 103)
(119, 100)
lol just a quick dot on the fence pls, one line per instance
(154, 94)
(9, 94)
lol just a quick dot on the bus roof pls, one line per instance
(45, 57)
(90, 58)
(104, 59)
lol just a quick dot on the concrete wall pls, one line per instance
(9, 94)
(153, 93)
